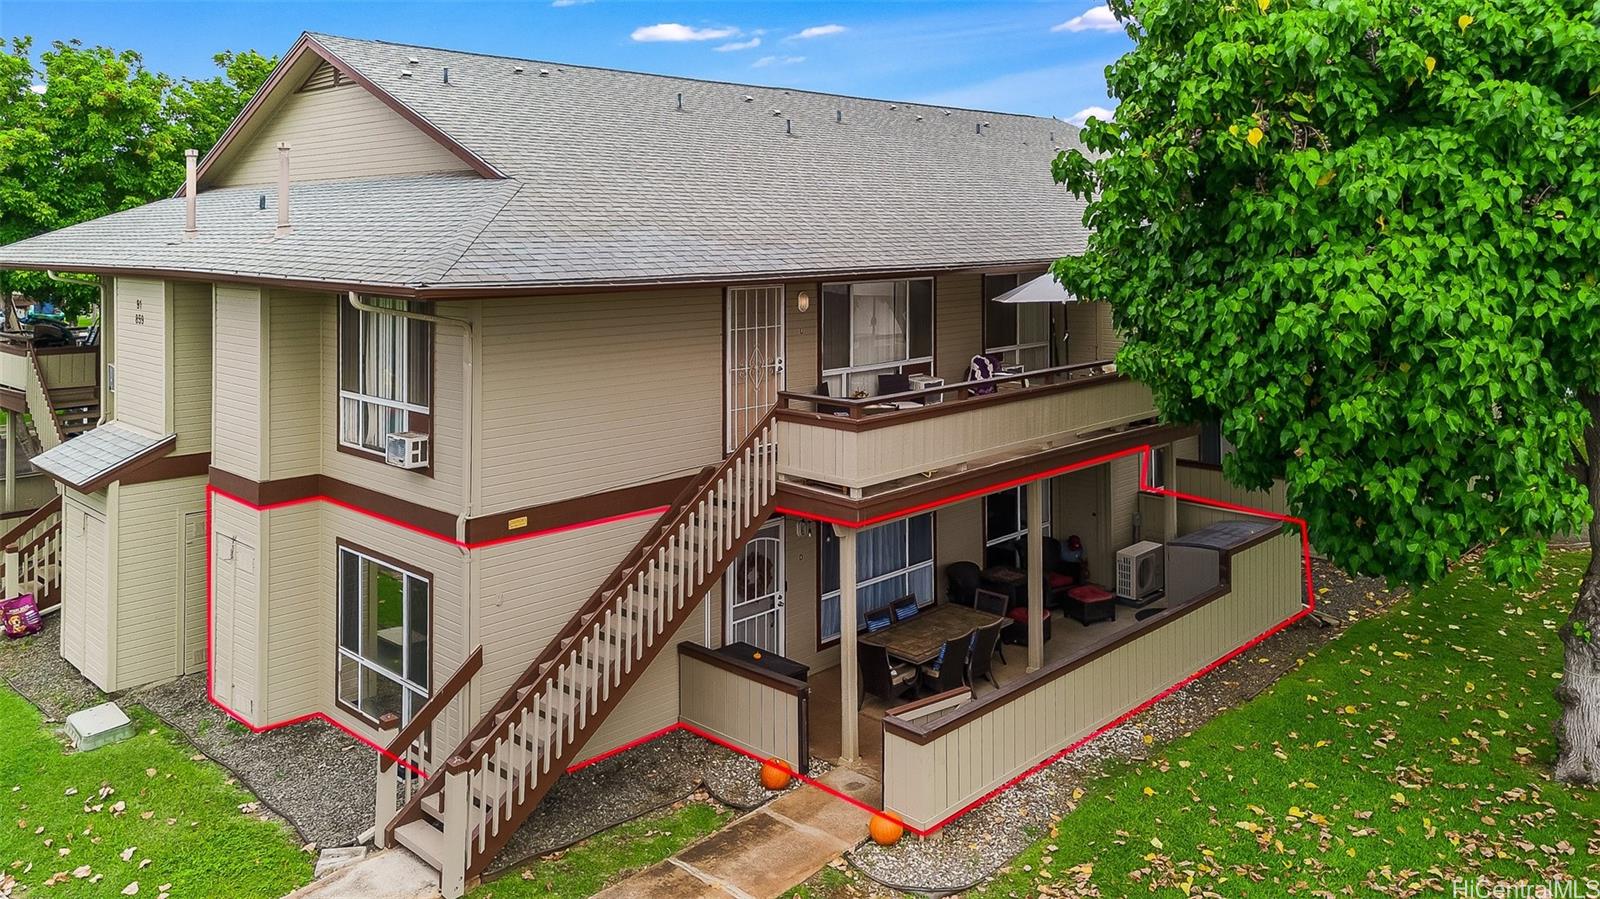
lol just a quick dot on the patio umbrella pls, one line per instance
(1043, 289)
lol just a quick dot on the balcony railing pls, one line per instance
(859, 442)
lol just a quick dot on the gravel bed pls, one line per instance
(977, 845)
(314, 775)
(33, 667)
(735, 781)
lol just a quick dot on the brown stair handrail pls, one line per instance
(437, 703)
(36, 518)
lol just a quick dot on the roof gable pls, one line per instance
(339, 125)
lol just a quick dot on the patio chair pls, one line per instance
(878, 619)
(880, 677)
(983, 368)
(961, 581)
(893, 382)
(985, 640)
(905, 608)
(949, 669)
(1057, 579)
(995, 603)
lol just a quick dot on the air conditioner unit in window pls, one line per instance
(927, 382)
(1141, 572)
(406, 449)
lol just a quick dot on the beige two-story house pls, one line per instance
(508, 412)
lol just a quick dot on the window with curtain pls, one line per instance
(385, 370)
(892, 560)
(872, 328)
(1005, 525)
(1015, 333)
(383, 637)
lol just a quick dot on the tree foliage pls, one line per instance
(1362, 236)
(88, 131)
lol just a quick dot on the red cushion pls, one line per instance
(1091, 593)
(1056, 579)
(1020, 613)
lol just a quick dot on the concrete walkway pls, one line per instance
(390, 874)
(765, 853)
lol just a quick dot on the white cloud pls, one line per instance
(569, 2)
(765, 61)
(1097, 19)
(740, 45)
(36, 88)
(672, 31)
(820, 31)
(1099, 112)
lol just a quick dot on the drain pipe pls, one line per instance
(468, 396)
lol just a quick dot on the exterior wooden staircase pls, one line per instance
(459, 811)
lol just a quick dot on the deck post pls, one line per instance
(389, 772)
(11, 461)
(1169, 501)
(1035, 499)
(457, 806)
(849, 671)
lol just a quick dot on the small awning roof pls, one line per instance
(1043, 289)
(95, 458)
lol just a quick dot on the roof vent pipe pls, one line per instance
(190, 157)
(283, 190)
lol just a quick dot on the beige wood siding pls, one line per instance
(298, 587)
(1080, 507)
(344, 132)
(1090, 334)
(592, 392)
(141, 360)
(236, 419)
(442, 490)
(652, 702)
(191, 366)
(149, 597)
(1211, 484)
(746, 713)
(957, 537)
(236, 606)
(85, 601)
(296, 394)
(957, 324)
(926, 783)
(1124, 477)
(72, 369)
(193, 568)
(800, 360)
(801, 545)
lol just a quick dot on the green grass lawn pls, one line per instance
(142, 811)
(589, 866)
(1413, 751)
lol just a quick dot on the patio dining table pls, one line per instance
(918, 639)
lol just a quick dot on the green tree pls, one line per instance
(88, 131)
(1362, 236)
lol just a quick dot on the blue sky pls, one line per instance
(1045, 58)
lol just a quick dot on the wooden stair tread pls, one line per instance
(424, 840)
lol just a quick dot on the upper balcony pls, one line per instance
(858, 447)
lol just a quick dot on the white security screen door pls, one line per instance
(755, 358)
(754, 590)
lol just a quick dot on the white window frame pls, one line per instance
(413, 695)
(1011, 354)
(355, 404)
(904, 571)
(895, 366)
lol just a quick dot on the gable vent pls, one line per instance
(325, 77)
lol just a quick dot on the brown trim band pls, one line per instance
(169, 468)
(821, 505)
(13, 399)
(565, 513)
(746, 670)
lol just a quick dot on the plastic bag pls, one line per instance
(19, 616)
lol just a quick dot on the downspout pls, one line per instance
(467, 394)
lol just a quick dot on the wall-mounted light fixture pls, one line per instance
(802, 302)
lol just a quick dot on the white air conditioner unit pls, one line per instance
(927, 382)
(1015, 370)
(1141, 572)
(406, 449)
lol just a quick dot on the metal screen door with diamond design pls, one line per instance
(754, 587)
(755, 358)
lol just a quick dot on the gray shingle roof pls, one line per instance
(93, 455)
(610, 182)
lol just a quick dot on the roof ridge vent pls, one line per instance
(412, 60)
(517, 70)
(544, 73)
(405, 73)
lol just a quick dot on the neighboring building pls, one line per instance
(535, 354)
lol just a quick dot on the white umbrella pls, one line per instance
(1043, 289)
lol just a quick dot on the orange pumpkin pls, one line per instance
(886, 829)
(775, 775)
